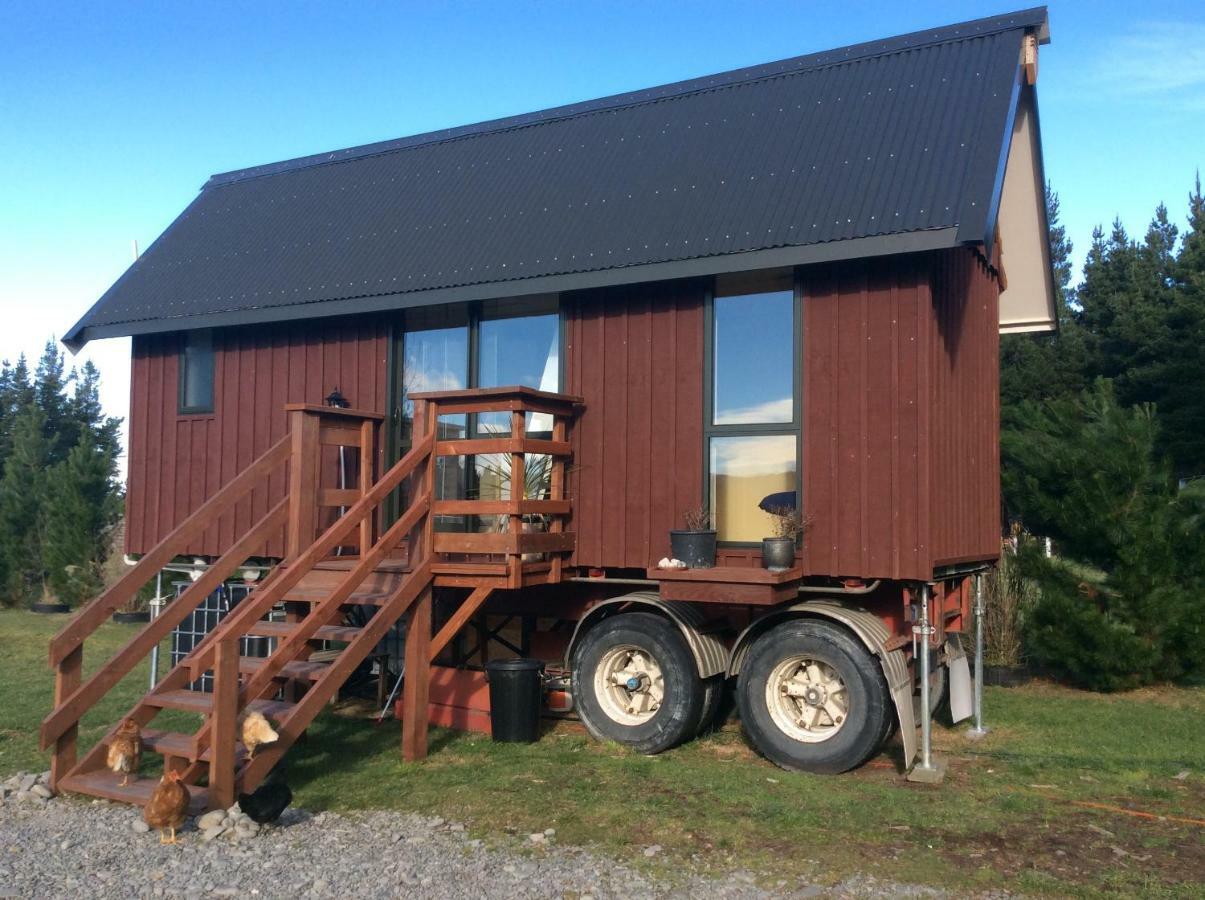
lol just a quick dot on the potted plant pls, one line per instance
(49, 604)
(694, 544)
(134, 610)
(778, 551)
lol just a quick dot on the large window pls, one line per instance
(752, 427)
(196, 372)
(490, 344)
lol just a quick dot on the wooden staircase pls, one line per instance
(393, 575)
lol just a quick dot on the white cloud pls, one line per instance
(770, 411)
(1157, 61)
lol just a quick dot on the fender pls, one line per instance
(710, 654)
(871, 631)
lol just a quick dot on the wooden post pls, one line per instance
(303, 482)
(225, 716)
(518, 491)
(416, 686)
(557, 492)
(425, 545)
(367, 452)
(66, 683)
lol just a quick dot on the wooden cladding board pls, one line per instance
(965, 489)
(901, 399)
(176, 461)
(635, 357)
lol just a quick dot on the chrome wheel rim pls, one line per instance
(807, 699)
(629, 684)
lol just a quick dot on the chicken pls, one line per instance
(269, 800)
(168, 807)
(256, 731)
(125, 750)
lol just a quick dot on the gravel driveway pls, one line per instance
(81, 848)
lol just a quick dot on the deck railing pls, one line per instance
(511, 555)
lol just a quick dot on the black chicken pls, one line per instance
(269, 800)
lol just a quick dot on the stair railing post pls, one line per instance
(225, 716)
(66, 682)
(518, 491)
(303, 481)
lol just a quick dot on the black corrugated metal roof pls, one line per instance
(881, 147)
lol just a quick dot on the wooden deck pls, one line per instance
(361, 561)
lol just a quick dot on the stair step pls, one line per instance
(173, 743)
(374, 598)
(347, 563)
(106, 784)
(297, 669)
(344, 633)
(202, 702)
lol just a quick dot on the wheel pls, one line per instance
(812, 698)
(635, 682)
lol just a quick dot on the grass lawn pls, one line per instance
(1033, 807)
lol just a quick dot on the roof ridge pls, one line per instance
(930, 37)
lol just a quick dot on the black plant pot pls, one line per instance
(777, 554)
(127, 618)
(695, 548)
(1005, 676)
(51, 608)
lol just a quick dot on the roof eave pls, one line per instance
(834, 251)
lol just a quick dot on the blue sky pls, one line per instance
(113, 114)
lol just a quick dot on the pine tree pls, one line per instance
(1182, 399)
(80, 507)
(16, 392)
(22, 492)
(51, 385)
(85, 411)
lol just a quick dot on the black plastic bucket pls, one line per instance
(516, 694)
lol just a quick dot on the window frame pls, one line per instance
(184, 372)
(794, 428)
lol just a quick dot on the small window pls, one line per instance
(196, 372)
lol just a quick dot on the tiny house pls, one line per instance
(472, 380)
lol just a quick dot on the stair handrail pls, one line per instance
(72, 635)
(68, 712)
(253, 607)
(264, 597)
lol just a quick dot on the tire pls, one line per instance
(667, 707)
(823, 664)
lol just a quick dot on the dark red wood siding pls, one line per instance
(866, 325)
(900, 406)
(635, 355)
(965, 489)
(176, 461)
(901, 409)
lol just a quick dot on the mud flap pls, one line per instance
(959, 675)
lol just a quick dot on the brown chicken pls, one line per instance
(168, 807)
(125, 750)
(256, 731)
